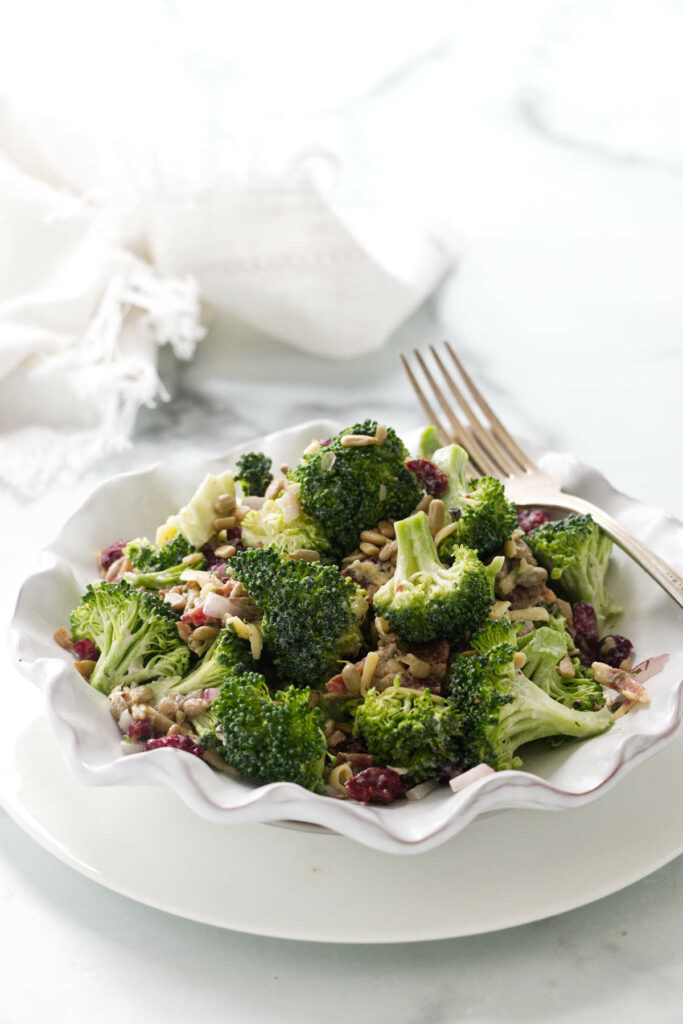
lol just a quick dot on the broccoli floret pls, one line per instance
(311, 614)
(267, 739)
(501, 709)
(228, 653)
(253, 473)
(409, 729)
(492, 634)
(429, 443)
(425, 600)
(544, 649)
(135, 632)
(351, 489)
(485, 518)
(268, 525)
(576, 553)
(148, 558)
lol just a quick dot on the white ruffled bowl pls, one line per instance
(553, 779)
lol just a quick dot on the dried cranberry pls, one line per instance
(530, 518)
(179, 742)
(209, 554)
(85, 650)
(587, 637)
(434, 481)
(375, 785)
(234, 537)
(112, 554)
(141, 730)
(585, 621)
(614, 649)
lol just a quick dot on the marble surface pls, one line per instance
(568, 308)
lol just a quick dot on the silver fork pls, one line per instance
(472, 423)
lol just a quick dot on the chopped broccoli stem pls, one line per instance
(429, 443)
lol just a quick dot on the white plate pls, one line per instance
(564, 778)
(505, 870)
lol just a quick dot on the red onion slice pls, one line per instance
(649, 668)
(215, 606)
(480, 771)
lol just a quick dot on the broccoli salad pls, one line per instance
(364, 624)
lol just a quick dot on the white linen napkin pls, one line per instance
(83, 314)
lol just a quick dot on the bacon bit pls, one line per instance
(622, 682)
(227, 588)
(631, 689)
(336, 685)
(196, 616)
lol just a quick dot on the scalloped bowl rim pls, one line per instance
(402, 828)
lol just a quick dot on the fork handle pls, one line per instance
(653, 565)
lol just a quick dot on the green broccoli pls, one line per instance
(500, 709)
(266, 739)
(148, 558)
(429, 442)
(135, 632)
(576, 553)
(228, 653)
(163, 579)
(410, 729)
(485, 518)
(311, 614)
(544, 648)
(253, 473)
(492, 634)
(268, 525)
(349, 489)
(425, 600)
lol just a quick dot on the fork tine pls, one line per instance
(478, 457)
(497, 427)
(430, 413)
(488, 444)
